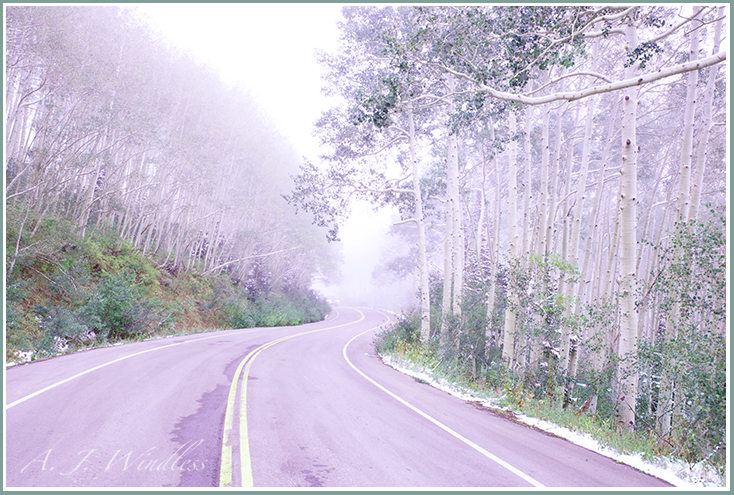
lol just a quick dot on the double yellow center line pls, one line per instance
(229, 439)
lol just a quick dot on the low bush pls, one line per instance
(65, 292)
(275, 312)
(119, 308)
(405, 331)
(18, 321)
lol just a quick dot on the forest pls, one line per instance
(560, 173)
(143, 196)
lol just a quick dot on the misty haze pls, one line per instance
(314, 245)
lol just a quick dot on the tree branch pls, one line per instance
(565, 76)
(604, 88)
(246, 258)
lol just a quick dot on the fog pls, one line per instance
(366, 246)
(260, 48)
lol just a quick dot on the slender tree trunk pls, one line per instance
(627, 374)
(550, 229)
(447, 265)
(508, 344)
(458, 252)
(494, 245)
(457, 244)
(684, 173)
(527, 220)
(577, 215)
(706, 125)
(422, 259)
(539, 234)
(543, 195)
(603, 293)
(592, 238)
(480, 222)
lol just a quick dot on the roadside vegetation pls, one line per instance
(508, 393)
(67, 293)
(689, 282)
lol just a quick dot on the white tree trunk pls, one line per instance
(447, 266)
(422, 261)
(453, 241)
(457, 231)
(508, 344)
(684, 172)
(543, 195)
(593, 240)
(706, 125)
(527, 220)
(573, 252)
(493, 234)
(550, 229)
(627, 374)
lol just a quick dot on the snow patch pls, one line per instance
(19, 357)
(675, 472)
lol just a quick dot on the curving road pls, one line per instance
(277, 407)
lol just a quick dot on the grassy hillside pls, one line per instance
(65, 293)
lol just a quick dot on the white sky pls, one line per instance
(267, 48)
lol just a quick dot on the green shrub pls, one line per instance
(58, 327)
(119, 308)
(292, 308)
(109, 254)
(17, 336)
(237, 315)
(688, 351)
(64, 291)
(406, 330)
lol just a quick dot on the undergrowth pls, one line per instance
(506, 389)
(66, 293)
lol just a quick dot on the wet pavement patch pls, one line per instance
(203, 429)
(201, 432)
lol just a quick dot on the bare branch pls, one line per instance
(574, 74)
(247, 258)
(605, 88)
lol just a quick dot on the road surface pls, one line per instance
(307, 406)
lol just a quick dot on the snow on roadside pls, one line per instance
(20, 357)
(677, 473)
(25, 357)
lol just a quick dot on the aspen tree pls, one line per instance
(627, 377)
(493, 236)
(543, 192)
(103, 129)
(422, 258)
(550, 229)
(684, 172)
(527, 219)
(573, 251)
(706, 124)
(509, 333)
(453, 266)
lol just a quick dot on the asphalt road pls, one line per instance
(308, 406)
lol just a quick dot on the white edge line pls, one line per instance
(52, 386)
(46, 389)
(66, 380)
(468, 442)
